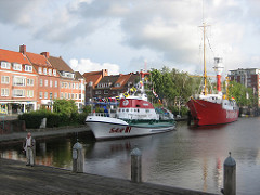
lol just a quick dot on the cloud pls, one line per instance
(85, 65)
(167, 30)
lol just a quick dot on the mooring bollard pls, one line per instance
(33, 148)
(229, 176)
(136, 165)
(78, 158)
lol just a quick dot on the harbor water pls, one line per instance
(189, 157)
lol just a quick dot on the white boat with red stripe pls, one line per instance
(135, 116)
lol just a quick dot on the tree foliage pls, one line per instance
(65, 107)
(243, 96)
(171, 84)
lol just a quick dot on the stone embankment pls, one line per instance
(16, 178)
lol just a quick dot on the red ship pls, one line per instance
(213, 109)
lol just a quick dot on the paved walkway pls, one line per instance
(16, 178)
(42, 132)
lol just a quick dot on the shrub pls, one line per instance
(82, 118)
(32, 120)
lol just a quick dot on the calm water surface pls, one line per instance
(189, 157)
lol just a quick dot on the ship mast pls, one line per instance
(205, 68)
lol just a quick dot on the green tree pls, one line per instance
(65, 107)
(243, 96)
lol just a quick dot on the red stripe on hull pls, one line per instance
(208, 113)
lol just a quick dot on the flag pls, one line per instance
(141, 84)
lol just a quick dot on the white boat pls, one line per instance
(135, 116)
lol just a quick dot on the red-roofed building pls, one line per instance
(48, 80)
(112, 86)
(18, 83)
(92, 79)
(29, 81)
(72, 84)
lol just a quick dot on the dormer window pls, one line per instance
(6, 65)
(45, 71)
(17, 66)
(50, 72)
(40, 70)
(28, 68)
(117, 85)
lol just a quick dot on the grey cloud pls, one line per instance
(17, 12)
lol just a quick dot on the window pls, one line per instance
(55, 84)
(40, 82)
(97, 92)
(5, 79)
(40, 70)
(55, 95)
(45, 71)
(45, 83)
(61, 96)
(30, 93)
(30, 82)
(69, 85)
(18, 93)
(146, 110)
(117, 85)
(123, 110)
(6, 65)
(105, 91)
(79, 96)
(4, 92)
(28, 68)
(72, 96)
(45, 95)
(80, 85)
(76, 96)
(65, 85)
(54, 72)
(73, 85)
(69, 96)
(17, 66)
(50, 95)
(50, 72)
(19, 81)
(40, 95)
(50, 83)
(77, 85)
(66, 96)
(127, 110)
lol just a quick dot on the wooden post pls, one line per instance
(78, 158)
(136, 165)
(229, 176)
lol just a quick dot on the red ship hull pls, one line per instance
(208, 113)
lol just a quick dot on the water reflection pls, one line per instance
(189, 157)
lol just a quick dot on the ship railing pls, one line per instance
(165, 116)
(113, 115)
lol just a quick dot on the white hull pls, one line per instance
(111, 128)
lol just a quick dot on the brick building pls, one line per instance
(48, 79)
(249, 77)
(112, 86)
(30, 81)
(92, 79)
(18, 83)
(72, 83)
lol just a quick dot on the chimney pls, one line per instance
(46, 54)
(22, 48)
(104, 72)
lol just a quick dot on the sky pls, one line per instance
(125, 36)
